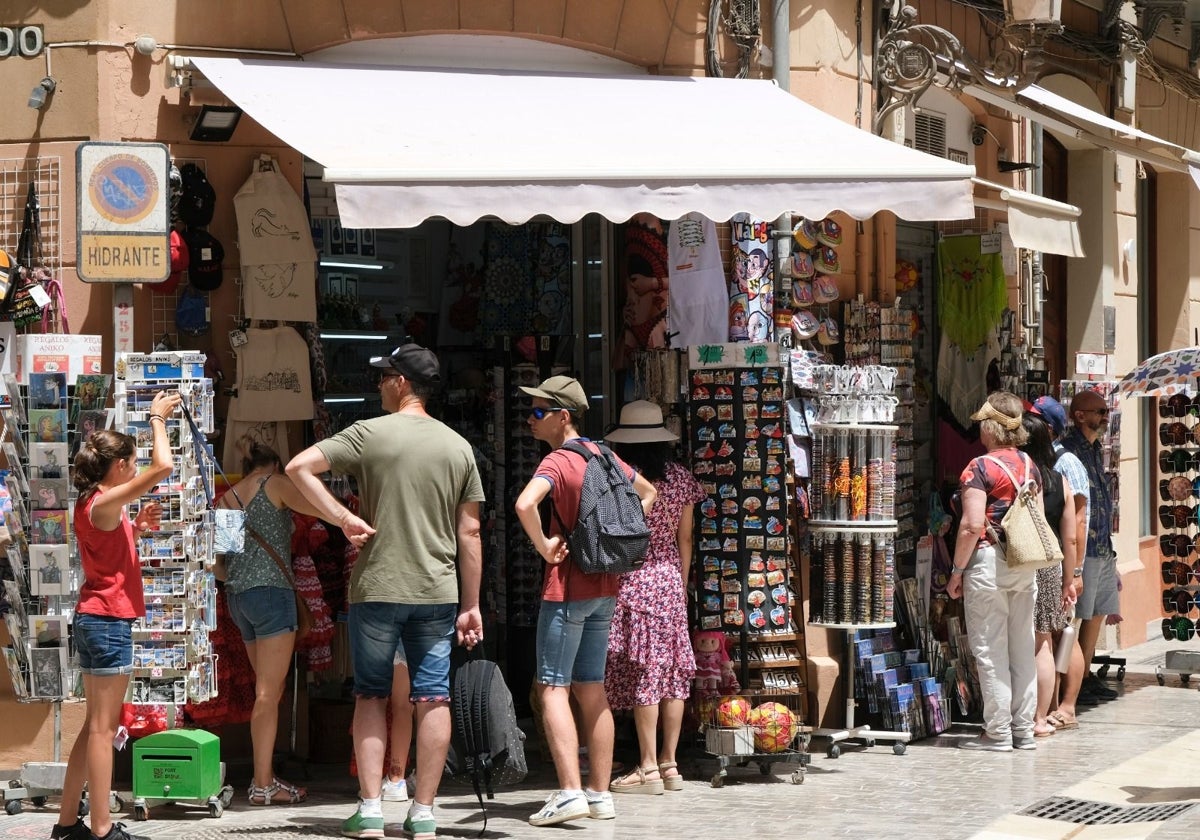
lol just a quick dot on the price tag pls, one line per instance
(989, 243)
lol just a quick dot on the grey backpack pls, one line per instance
(611, 535)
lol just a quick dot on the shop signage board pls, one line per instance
(122, 212)
(733, 355)
(1093, 364)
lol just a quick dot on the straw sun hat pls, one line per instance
(641, 422)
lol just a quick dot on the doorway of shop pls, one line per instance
(1054, 307)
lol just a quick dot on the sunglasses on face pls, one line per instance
(540, 413)
(1180, 628)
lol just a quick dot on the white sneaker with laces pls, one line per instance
(560, 808)
(600, 805)
(395, 791)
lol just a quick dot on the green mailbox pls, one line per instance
(177, 765)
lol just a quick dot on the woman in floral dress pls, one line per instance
(650, 662)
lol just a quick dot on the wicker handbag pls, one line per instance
(1029, 542)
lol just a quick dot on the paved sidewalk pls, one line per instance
(1143, 747)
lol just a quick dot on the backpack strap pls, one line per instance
(573, 445)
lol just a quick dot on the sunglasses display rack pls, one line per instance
(173, 662)
(1179, 541)
(745, 572)
(852, 523)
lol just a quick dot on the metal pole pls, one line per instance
(781, 72)
(58, 730)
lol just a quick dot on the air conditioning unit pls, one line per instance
(940, 126)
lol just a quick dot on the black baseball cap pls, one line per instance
(412, 361)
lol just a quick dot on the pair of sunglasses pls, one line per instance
(1179, 629)
(1178, 573)
(1178, 461)
(1179, 405)
(1178, 545)
(1176, 489)
(1176, 516)
(1175, 433)
(1179, 601)
(540, 413)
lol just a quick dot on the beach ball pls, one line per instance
(774, 726)
(732, 710)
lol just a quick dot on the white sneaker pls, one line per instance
(600, 805)
(395, 791)
(560, 808)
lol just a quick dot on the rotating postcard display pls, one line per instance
(173, 661)
(45, 419)
(739, 455)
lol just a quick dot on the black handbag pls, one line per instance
(22, 299)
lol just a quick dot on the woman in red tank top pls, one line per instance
(107, 478)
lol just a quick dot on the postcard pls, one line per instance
(15, 397)
(48, 460)
(12, 594)
(91, 392)
(47, 425)
(48, 570)
(49, 527)
(47, 631)
(46, 667)
(16, 563)
(47, 390)
(16, 674)
(48, 493)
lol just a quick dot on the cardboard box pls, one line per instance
(735, 741)
(69, 354)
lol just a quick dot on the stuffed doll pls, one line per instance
(714, 669)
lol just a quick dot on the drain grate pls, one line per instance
(1081, 811)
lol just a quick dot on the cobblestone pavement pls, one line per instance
(1142, 748)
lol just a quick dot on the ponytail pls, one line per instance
(96, 456)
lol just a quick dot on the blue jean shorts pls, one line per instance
(263, 611)
(104, 644)
(424, 632)
(572, 640)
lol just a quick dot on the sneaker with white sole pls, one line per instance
(985, 743)
(420, 828)
(394, 791)
(600, 805)
(365, 828)
(1024, 742)
(560, 808)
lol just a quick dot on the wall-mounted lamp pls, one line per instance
(37, 97)
(913, 56)
(215, 124)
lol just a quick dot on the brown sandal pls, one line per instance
(673, 781)
(636, 782)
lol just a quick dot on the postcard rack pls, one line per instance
(173, 660)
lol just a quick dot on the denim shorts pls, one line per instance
(572, 640)
(424, 632)
(263, 611)
(104, 644)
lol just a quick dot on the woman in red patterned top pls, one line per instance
(110, 599)
(998, 599)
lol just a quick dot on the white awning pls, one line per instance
(1067, 117)
(1035, 222)
(403, 145)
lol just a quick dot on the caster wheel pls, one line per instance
(834, 751)
(718, 781)
(84, 808)
(215, 810)
(141, 813)
(1102, 672)
(1121, 674)
(1161, 679)
(115, 804)
(765, 768)
(38, 801)
(798, 777)
(226, 796)
(870, 742)
(1184, 679)
(899, 748)
(12, 807)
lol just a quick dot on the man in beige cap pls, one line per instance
(577, 608)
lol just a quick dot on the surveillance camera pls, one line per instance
(977, 134)
(37, 97)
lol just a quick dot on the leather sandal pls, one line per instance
(636, 782)
(673, 781)
(267, 795)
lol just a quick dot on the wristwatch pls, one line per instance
(955, 570)
(1078, 572)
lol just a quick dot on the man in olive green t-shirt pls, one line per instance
(416, 580)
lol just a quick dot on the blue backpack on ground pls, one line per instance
(611, 535)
